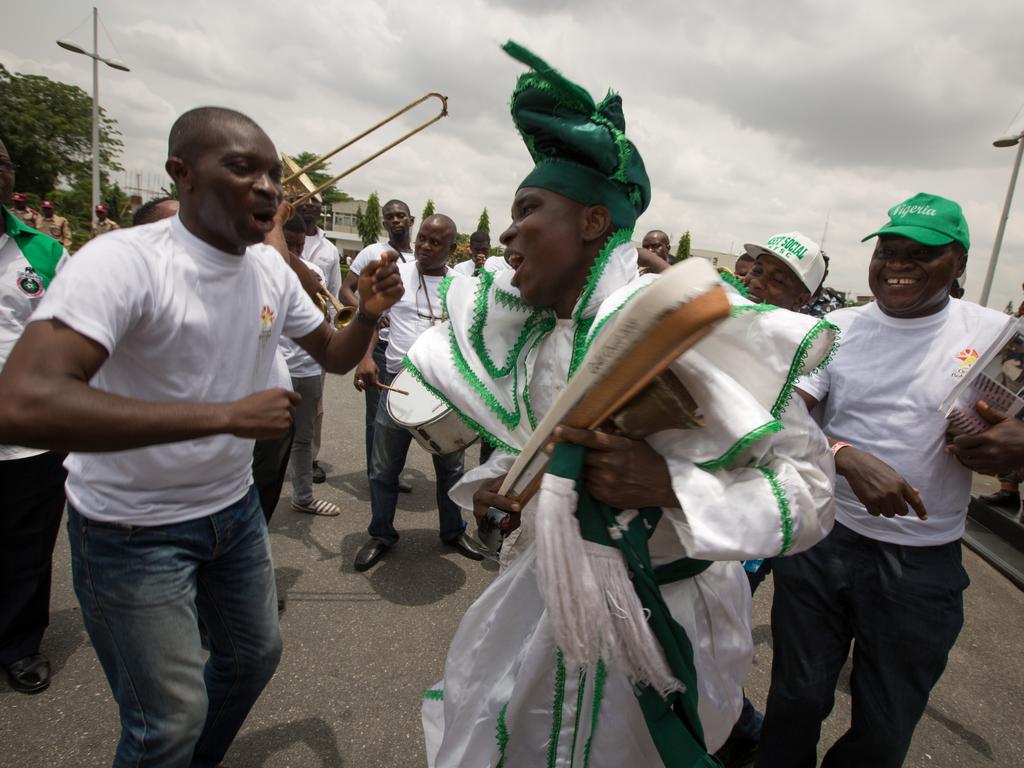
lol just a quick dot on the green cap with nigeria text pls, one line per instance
(928, 219)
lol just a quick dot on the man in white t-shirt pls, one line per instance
(479, 251)
(306, 378)
(398, 224)
(32, 480)
(149, 361)
(419, 309)
(891, 580)
(318, 250)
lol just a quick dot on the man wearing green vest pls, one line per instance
(638, 538)
(32, 480)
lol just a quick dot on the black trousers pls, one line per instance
(269, 466)
(900, 607)
(32, 493)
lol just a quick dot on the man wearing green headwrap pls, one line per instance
(755, 481)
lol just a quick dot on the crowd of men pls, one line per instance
(160, 383)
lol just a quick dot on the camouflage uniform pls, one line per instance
(56, 227)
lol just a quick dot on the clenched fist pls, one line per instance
(263, 415)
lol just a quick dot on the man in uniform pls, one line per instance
(103, 223)
(32, 480)
(149, 361)
(55, 226)
(28, 216)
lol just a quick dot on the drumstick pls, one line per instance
(392, 389)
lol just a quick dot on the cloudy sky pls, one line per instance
(753, 118)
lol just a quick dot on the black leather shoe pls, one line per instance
(30, 674)
(370, 553)
(319, 475)
(1007, 499)
(404, 487)
(465, 547)
(737, 752)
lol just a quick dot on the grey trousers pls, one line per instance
(301, 462)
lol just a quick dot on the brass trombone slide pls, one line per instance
(350, 142)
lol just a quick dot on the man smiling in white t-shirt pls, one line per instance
(889, 574)
(149, 362)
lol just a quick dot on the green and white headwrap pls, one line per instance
(579, 146)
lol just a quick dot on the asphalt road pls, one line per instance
(361, 647)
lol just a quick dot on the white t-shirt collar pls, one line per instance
(910, 323)
(202, 248)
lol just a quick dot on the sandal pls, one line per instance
(317, 507)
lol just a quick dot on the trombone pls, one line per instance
(296, 174)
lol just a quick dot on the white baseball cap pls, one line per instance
(801, 254)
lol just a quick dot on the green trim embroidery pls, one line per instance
(739, 309)
(583, 324)
(480, 301)
(556, 707)
(735, 282)
(727, 458)
(434, 694)
(783, 504)
(502, 736)
(595, 708)
(540, 322)
(621, 142)
(581, 683)
(601, 323)
(799, 358)
(469, 422)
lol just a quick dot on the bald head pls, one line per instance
(228, 177)
(202, 128)
(657, 242)
(435, 243)
(442, 220)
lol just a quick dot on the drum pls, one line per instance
(434, 425)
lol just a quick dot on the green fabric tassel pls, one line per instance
(674, 723)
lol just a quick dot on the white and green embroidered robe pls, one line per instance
(756, 481)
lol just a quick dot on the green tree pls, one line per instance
(683, 249)
(47, 127)
(368, 221)
(428, 209)
(484, 223)
(318, 175)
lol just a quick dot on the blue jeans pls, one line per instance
(900, 607)
(142, 591)
(373, 396)
(390, 448)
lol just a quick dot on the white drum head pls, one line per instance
(420, 406)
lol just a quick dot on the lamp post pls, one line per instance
(1002, 141)
(94, 54)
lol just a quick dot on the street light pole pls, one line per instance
(94, 54)
(1004, 141)
(95, 116)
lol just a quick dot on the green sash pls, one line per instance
(673, 723)
(41, 252)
